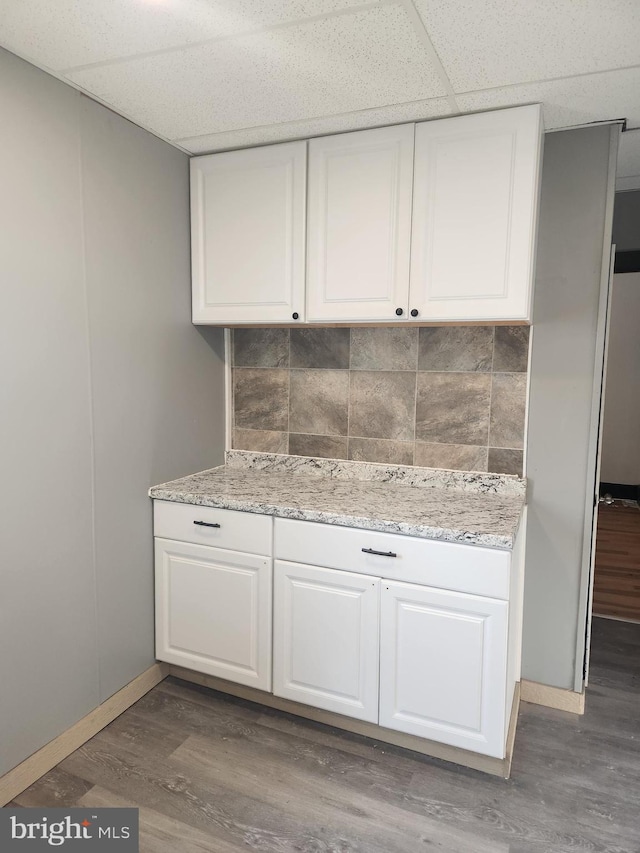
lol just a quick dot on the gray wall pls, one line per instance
(621, 433)
(106, 389)
(626, 221)
(574, 226)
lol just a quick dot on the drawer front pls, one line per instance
(221, 528)
(445, 565)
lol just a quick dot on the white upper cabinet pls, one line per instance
(359, 234)
(476, 186)
(248, 235)
(443, 230)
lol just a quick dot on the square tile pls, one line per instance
(94, 31)
(454, 457)
(260, 398)
(319, 402)
(511, 349)
(504, 461)
(462, 348)
(260, 347)
(508, 398)
(381, 450)
(324, 446)
(324, 66)
(382, 404)
(453, 408)
(320, 348)
(260, 440)
(384, 349)
(489, 44)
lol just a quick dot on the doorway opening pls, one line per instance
(616, 589)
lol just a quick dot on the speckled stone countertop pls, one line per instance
(454, 506)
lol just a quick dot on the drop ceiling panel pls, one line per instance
(394, 114)
(499, 42)
(66, 33)
(349, 62)
(577, 100)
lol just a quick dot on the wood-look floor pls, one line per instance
(211, 773)
(616, 588)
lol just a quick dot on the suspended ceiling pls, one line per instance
(214, 74)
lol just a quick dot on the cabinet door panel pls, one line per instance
(360, 188)
(248, 227)
(326, 639)
(474, 216)
(213, 611)
(443, 666)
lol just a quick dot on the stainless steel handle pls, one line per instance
(206, 524)
(379, 553)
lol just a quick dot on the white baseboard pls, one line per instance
(31, 769)
(552, 697)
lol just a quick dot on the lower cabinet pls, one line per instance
(443, 666)
(418, 636)
(325, 639)
(213, 611)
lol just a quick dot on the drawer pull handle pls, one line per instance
(206, 524)
(379, 553)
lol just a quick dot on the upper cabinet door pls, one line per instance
(359, 235)
(475, 200)
(248, 232)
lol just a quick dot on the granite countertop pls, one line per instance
(454, 506)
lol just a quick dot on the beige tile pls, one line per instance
(319, 402)
(261, 347)
(456, 457)
(505, 461)
(511, 349)
(261, 398)
(320, 348)
(325, 446)
(508, 395)
(467, 348)
(384, 349)
(382, 404)
(260, 440)
(453, 408)
(381, 450)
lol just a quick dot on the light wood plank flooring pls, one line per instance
(616, 589)
(210, 773)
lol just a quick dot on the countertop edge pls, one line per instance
(440, 534)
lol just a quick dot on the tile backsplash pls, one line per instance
(438, 397)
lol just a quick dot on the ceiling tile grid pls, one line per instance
(488, 43)
(216, 74)
(330, 65)
(377, 117)
(569, 102)
(63, 34)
